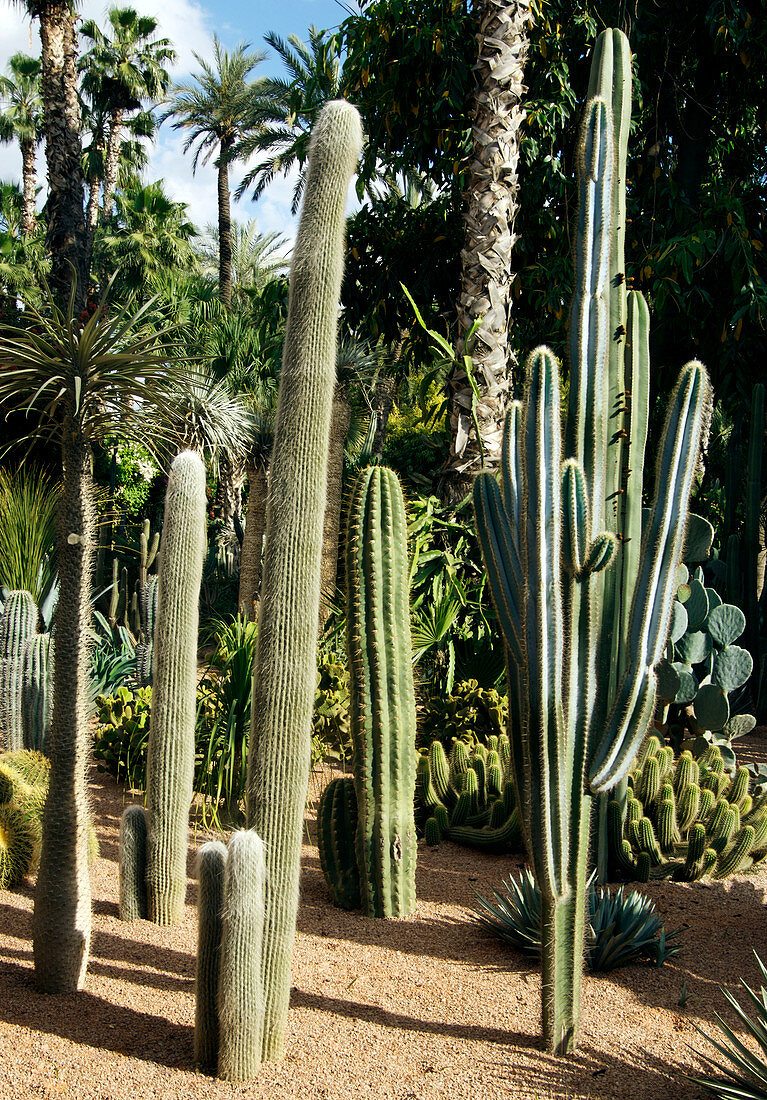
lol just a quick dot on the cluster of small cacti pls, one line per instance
(469, 797)
(122, 734)
(687, 817)
(703, 666)
(26, 676)
(170, 745)
(469, 713)
(23, 789)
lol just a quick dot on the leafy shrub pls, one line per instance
(122, 734)
(331, 724)
(623, 927)
(469, 713)
(223, 719)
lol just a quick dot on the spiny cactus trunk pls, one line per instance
(285, 670)
(170, 750)
(339, 427)
(61, 923)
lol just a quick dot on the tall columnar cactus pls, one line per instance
(170, 750)
(382, 693)
(37, 691)
(546, 548)
(285, 668)
(145, 648)
(17, 625)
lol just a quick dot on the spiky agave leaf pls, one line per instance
(748, 1079)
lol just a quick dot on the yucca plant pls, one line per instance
(748, 1079)
(28, 502)
(78, 382)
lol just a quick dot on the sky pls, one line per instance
(190, 25)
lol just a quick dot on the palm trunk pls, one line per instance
(253, 541)
(226, 492)
(112, 162)
(28, 175)
(339, 428)
(66, 221)
(61, 923)
(487, 275)
(224, 229)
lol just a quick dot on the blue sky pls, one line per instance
(190, 24)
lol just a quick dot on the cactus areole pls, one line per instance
(546, 545)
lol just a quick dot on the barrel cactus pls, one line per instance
(336, 837)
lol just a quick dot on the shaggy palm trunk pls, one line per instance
(61, 923)
(67, 241)
(227, 491)
(386, 389)
(224, 228)
(112, 162)
(28, 176)
(476, 421)
(253, 541)
(339, 428)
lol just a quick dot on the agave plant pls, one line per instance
(623, 927)
(78, 379)
(748, 1079)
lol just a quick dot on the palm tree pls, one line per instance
(487, 274)
(22, 119)
(21, 257)
(152, 235)
(81, 383)
(66, 239)
(282, 124)
(121, 72)
(256, 257)
(213, 111)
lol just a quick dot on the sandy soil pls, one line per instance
(429, 1008)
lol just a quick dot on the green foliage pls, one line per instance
(747, 1072)
(702, 668)
(223, 720)
(469, 713)
(331, 724)
(468, 798)
(415, 451)
(624, 928)
(122, 734)
(28, 503)
(686, 818)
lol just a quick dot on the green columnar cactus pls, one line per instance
(170, 750)
(211, 862)
(441, 784)
(133, 900)
(17, 625)
(698, 821)
(382, 693)
(285, 671)
(37, 691)
(240, 990)
(336, 835)
(544, 544)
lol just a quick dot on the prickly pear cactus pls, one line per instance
(469, 797)
(687, 818)
(702, 668)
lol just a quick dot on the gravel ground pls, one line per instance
(428, 1008)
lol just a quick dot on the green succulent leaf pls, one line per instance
(688, 685)
(725, 623)
(700, 536)
(694, 647)
(738, 726)
(711, 707)
(679, 621)
(697, 604)
(669, 681)
(732, 667)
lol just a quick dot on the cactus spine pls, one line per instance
(382, 703)
(17, 626)
(546, 525)
(211, 862)
(285, 672)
